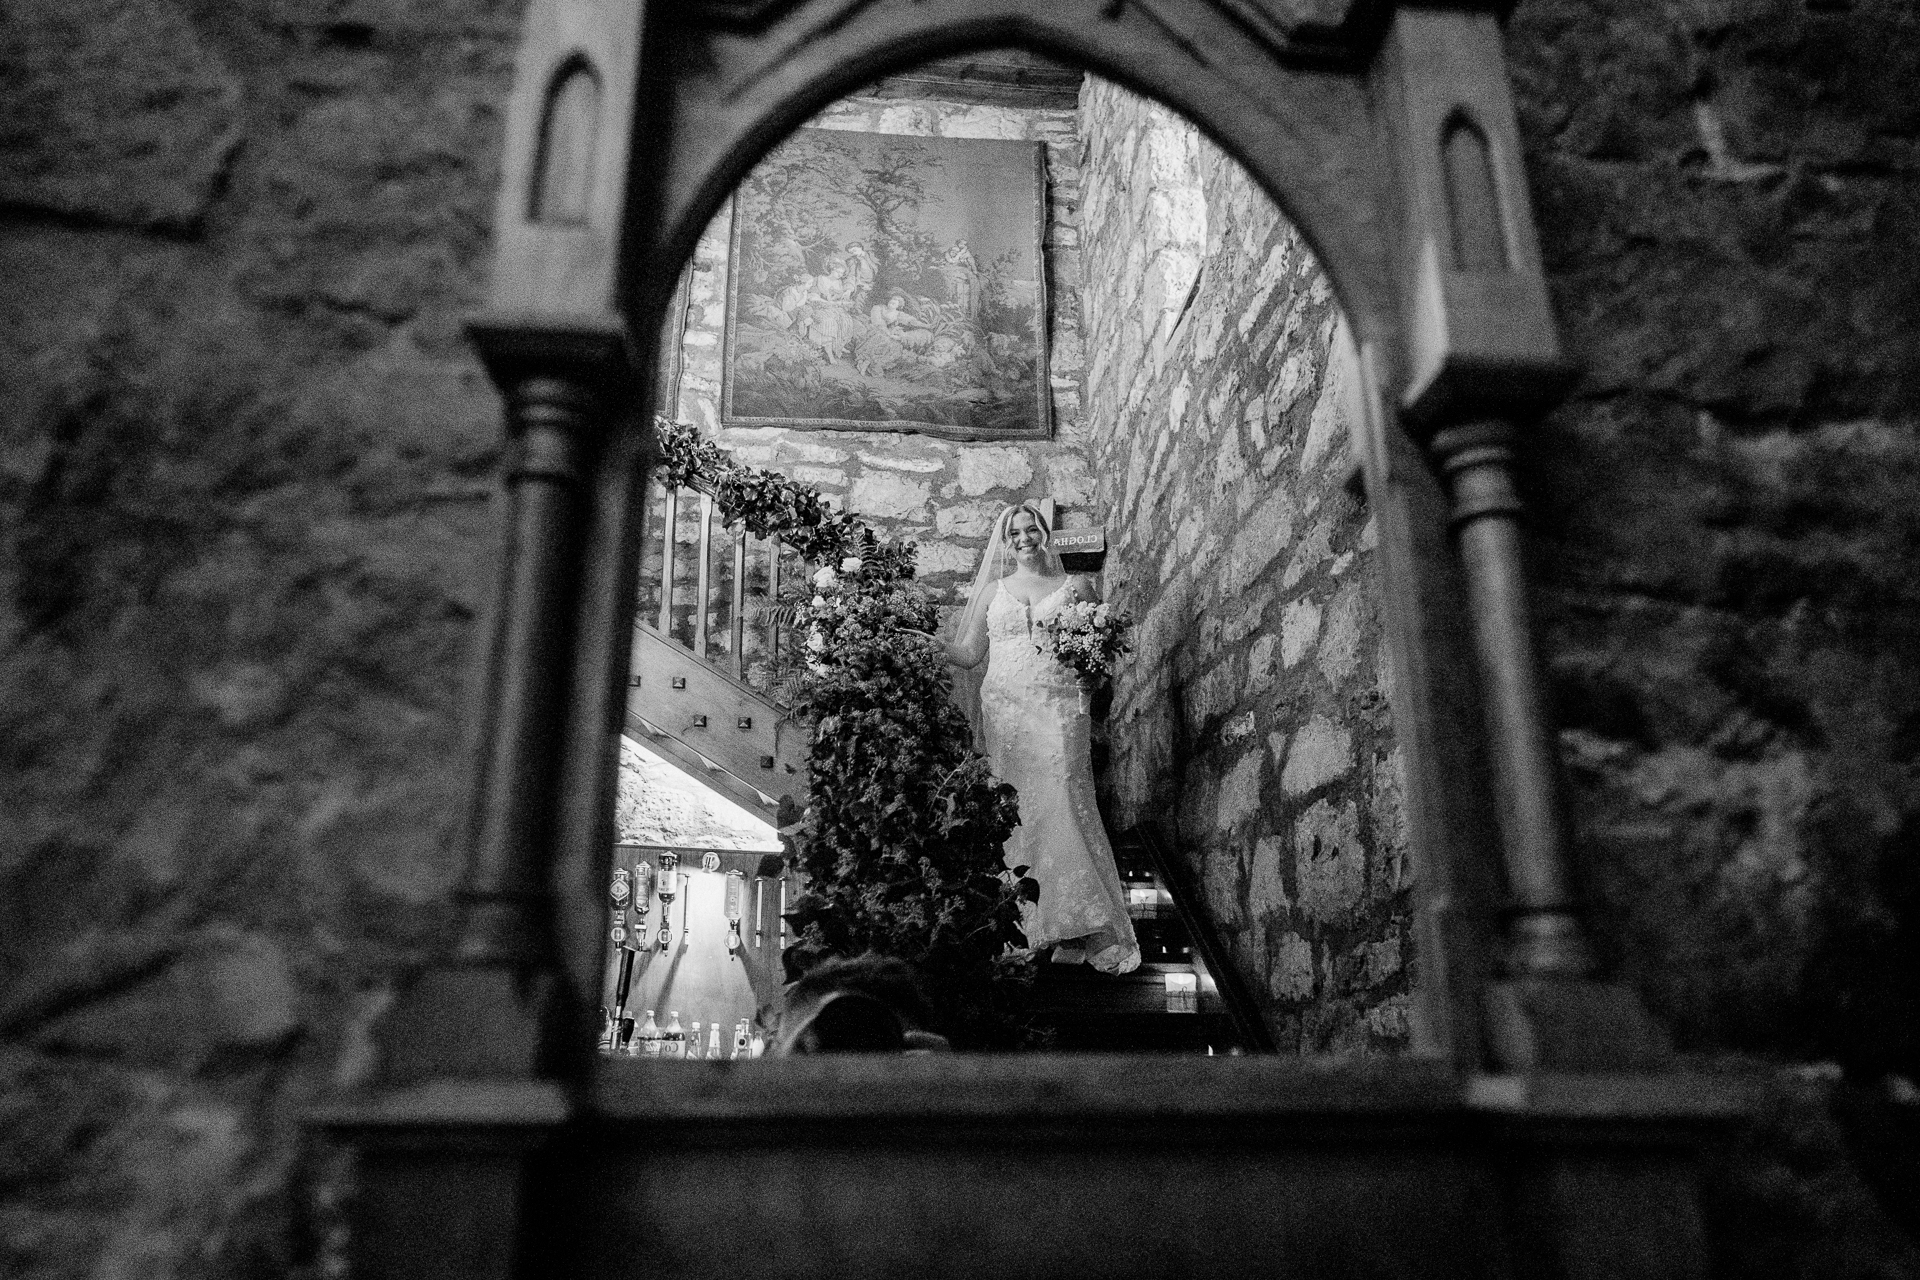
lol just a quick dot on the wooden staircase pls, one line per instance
(1184, 998)
(717, 730)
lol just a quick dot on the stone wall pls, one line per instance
(1254, 711)
(1728, 550)
(246, 460)
(942, 494)
(659, 804)
(245, 531)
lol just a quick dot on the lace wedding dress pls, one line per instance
(1037, 729)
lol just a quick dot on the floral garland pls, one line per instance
(901, 836)
(769, 503)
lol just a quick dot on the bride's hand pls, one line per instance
(946, 650)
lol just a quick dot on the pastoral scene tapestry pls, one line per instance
(889, 283)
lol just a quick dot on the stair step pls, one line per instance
(1085, 1010)
(1078, 987)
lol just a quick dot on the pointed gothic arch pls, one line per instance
(1344, 123)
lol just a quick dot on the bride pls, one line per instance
(1037, 738)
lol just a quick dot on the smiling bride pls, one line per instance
(1037, 730)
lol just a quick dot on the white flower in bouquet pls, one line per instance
(852, 564)
(816, 641)
(1087, 639)
(825, 579)
(819, 601)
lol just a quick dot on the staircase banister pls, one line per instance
(707, 489)
(1234, 992)
(773, 544)
(745, 689)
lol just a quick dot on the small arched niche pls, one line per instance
(1474, 215)
(561, 191)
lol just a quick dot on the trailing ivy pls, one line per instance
(901, 836)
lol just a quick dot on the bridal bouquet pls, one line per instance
(1087, 638)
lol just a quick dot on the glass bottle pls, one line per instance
(713, 1040)
(647, 1040)
(741, 1038)
(674, 1043)
(693, 1042)
(607, 1029)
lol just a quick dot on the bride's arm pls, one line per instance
(968, 649)
(1080, 587)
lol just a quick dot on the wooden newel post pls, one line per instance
(1483, 358)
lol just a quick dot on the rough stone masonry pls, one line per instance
(1255, 708)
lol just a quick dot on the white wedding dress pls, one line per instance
(1034, 716)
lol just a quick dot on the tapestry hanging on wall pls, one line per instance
(888, 283)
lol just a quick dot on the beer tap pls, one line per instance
(642, 901)
(618, 1027)
(736, 890)
(771, 866)
(669, 889)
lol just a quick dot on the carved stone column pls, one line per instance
(452, 1135)
(1482, 357)
(1545, 936)
(458, 1137)
(467, 1107)
(563, 389)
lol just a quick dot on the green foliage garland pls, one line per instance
(901, 837)
(769, 503)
